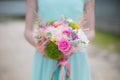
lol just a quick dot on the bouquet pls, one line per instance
(58, 40)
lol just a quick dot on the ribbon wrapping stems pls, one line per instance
(62, 70)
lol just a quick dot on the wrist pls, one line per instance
(28, 36)
(90, 35)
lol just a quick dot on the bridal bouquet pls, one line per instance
(58, 40)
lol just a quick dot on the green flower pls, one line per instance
(52, 51)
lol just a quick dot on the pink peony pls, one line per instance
(66, 32)
(65, 46)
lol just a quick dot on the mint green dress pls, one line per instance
(50, 10)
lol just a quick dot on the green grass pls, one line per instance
(107, 41)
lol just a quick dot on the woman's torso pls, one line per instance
(54, 9)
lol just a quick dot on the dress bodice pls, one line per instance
(54, 9)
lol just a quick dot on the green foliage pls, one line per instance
(107, 41)
(72, 24)
(51, 22)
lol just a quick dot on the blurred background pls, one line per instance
(16, 54)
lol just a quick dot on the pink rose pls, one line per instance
(65, 46)
(66, 32)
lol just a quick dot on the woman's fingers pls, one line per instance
(42, 45)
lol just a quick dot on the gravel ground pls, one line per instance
(16, 56)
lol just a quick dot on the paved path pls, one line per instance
(105, 65)
(16, 56)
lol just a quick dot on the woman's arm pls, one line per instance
(89, 18)
(30, 17)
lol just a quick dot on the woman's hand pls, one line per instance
(41, 45)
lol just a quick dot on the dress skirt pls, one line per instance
(42, 67)
(52, 10)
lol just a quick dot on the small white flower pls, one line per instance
(69, 20)
(83, 37)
